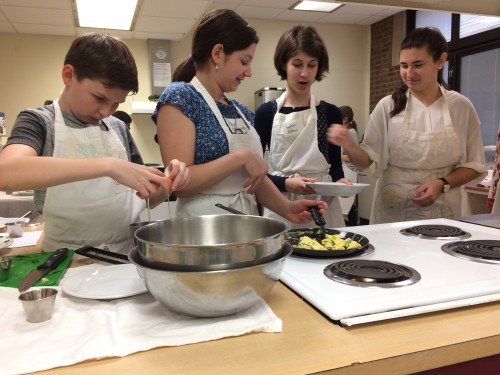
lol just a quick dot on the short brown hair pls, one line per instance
(301, 38)
(103, 58)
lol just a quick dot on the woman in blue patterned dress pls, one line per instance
(214, 135)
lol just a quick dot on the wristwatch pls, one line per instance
(446, 184)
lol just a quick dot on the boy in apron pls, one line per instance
(87, 173)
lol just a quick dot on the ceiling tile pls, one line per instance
(51, 4)
(300, 16)
(221, 5)
(175, 8)
(164, 25)
(258, 12)
(38, 15)
(279, 4)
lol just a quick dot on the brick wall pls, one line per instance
(384, 77)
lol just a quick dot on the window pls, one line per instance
(440, 20)
(480, 82)
(471, 24)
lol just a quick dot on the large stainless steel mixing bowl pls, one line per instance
(211, 240)
(211, 293)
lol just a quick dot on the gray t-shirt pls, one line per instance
(35, 128)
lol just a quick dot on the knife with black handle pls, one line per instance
(52, 261)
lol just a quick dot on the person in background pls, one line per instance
(214, 135)
(422, 142)
(294, 125)
(79, 159)
(350, 125)
(350, 171)
(493, 201)
(124, 116)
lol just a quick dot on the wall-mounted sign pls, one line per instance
(160, 67)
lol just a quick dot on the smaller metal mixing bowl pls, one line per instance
(209, 294)
(209, 241)
(139, 224)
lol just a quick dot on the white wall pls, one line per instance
(31, 73)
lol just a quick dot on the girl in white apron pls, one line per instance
(301, 59)
(222, 148)
(421, 155)
(230, 191)
(412, 151)
(294, 152)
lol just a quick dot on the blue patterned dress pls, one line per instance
(211, 142)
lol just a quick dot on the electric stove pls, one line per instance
(454, 264)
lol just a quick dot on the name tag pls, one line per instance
(288, 129)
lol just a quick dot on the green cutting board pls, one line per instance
(21, 265)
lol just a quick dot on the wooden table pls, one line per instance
(310, 343)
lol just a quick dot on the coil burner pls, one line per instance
(482, 251)
(436, 232)
(371, 273)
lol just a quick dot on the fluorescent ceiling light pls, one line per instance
(315, 6)
(106, 14)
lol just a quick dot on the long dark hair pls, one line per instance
(222, 26)
(435, 43)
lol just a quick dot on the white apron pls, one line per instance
(294, 152)
(94, 212)
(230, 191)
(417, 157)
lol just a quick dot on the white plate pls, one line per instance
(336, 188)
(109, 282)
(5, 242)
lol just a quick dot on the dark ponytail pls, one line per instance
(349, 113)
(185, 71)
(399, 98)
(435, 43)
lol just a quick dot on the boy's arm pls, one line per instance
(22, 169)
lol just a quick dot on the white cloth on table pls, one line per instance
(84, 329)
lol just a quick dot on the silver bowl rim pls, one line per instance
(147, 242)
(133, 257)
